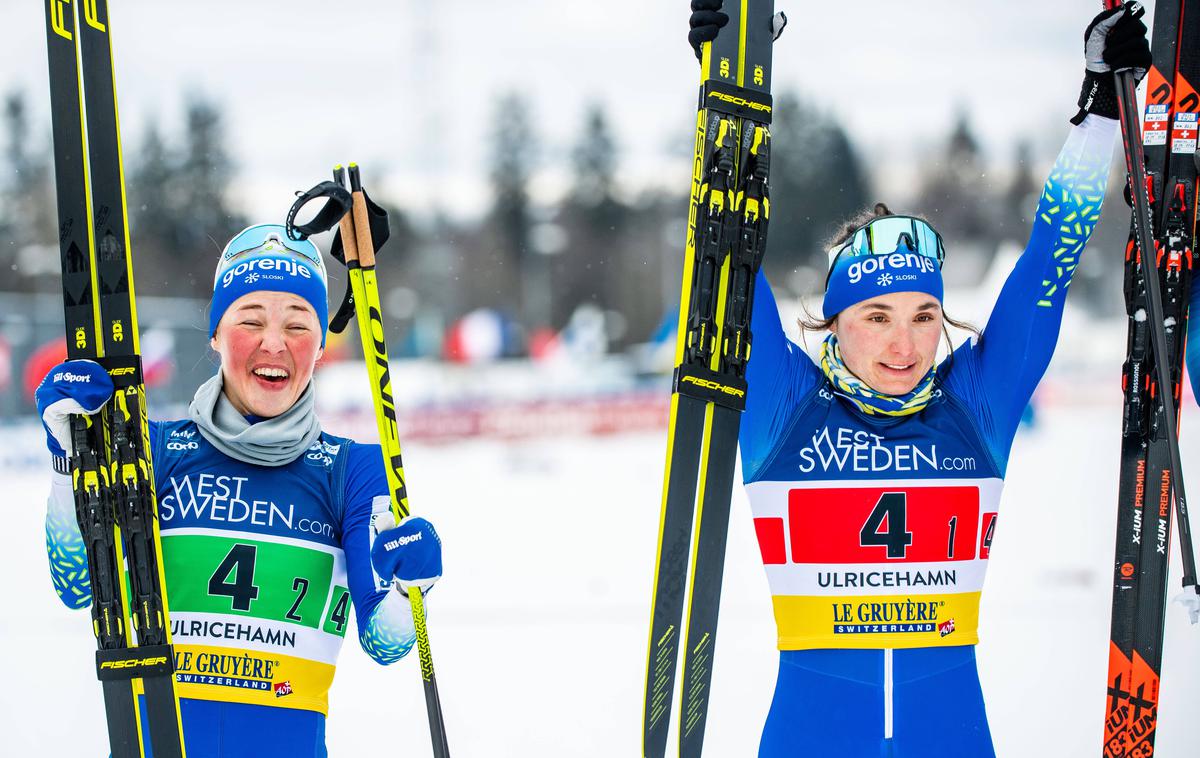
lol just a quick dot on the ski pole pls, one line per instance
(360, 263)
(1131, 139)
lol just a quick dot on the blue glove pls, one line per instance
(73, 387)
(411, 552)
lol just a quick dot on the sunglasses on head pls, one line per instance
(891, 234)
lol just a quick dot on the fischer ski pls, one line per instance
(726, 240)
(110, 465)
(1162, 187)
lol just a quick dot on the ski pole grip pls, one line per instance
(346, 223)
(362, 221)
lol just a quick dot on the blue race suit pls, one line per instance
(875, 531)
(262, 565)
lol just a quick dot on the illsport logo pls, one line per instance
(260, 265)
(401, 541)
(67, 376)
(877, 264)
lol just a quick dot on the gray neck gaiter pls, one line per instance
(271, 442)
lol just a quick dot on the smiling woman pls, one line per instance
(269, 344)
(888, 338)
(268, 523)
(874, 474)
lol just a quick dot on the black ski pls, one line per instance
(1157, 290)
(726, 240)
(111, 466)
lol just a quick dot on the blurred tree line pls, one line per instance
(599, 248)
(176, 192)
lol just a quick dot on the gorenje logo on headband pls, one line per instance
(871, 264)
(284, 265)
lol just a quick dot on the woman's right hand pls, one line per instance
(70, 388)
(1115, 40)
(409, 553)
(706, 20)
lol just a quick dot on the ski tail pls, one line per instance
(686, 428)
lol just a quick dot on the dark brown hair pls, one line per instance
(810, 322)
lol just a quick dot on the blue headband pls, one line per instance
(270, 264)
(858, 278)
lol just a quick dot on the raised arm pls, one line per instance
(1022, 331)
(779, 375)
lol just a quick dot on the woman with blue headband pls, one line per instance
(874, 473)
(271, 527)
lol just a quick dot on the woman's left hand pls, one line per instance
(1116, 41)
(410, 552)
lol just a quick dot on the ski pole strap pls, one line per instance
(378, 223)
(380, 230)
(337, 204)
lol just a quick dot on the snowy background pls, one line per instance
(539, 628)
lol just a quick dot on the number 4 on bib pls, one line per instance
(885, 526)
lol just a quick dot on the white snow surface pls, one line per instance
(539, 628)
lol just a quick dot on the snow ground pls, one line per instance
(539, 628)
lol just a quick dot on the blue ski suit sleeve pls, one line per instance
(779, 375)
(385, 629)
(997, 374)
(64, 546)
